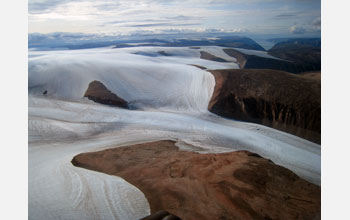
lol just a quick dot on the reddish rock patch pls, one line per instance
(100, 94)
(192, 186)
(285, 101)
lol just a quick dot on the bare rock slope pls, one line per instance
(278, 99)
(295, 56)
(100, 94)
(208, 56)
(256, 62)
(192, 186)
(304, 53)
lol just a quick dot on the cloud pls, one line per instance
(164, 21)
(285, 16)
(58, 37)
(43, 6)
(316, 24)
(297, 30)
(126, 16)
(160, 24)
(313, 27)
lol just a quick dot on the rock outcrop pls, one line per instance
(192, 186)
(281, 100)
(161, 215)
(305, 57)
(296, 56)
(211, 57)
(256, 62)
(100, 94)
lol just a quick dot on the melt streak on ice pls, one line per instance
(170, 98)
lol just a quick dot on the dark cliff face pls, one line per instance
(281, 100)
(100, 94)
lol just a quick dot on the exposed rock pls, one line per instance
(192, 186)
(281, 100)
(312, 75)
(208, 56)
(161, 215)
(256, 62)
(100, 94)
(198, 66)
(297, 55)
(163, 53)
(306, 57)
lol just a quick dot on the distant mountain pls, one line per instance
(290, 55)
(304, 53)
(84, 41)
(313, 42)
(253, 61)
(232, 41)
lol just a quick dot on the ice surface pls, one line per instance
(258, 53)
(218, 51)
(172, 98)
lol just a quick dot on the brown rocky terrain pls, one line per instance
(161, 215)
(208, 56)
(100, 94)
(192, 186)
(305, 57)
(312, 75)
(278, 99)
(296, 56)
(255, 62)
(198, 66)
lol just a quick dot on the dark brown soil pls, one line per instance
(255, 62)
(305, 57)
(208, 56)
(278, 99)
(192, 186)
(100, 94)
(312, 75)
(161, 215)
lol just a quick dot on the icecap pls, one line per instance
(67, 74)
(258, 53)
(218, 51)
(172, 99)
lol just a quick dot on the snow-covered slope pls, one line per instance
(172, 97)
(141, 76)
(258, 53)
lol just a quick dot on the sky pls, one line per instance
(127, 17)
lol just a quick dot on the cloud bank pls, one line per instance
(314, 27)
(128, 16)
